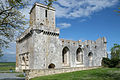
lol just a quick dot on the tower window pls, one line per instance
(45, 13)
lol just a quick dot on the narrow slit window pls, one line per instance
(46, 13)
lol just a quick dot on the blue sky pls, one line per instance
(82, 20)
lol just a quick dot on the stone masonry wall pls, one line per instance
(96, 48)
(47, 48)
(32, 73)
(24, 46)
(39, 46)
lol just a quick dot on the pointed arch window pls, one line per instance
(79, 55)
(65, 56)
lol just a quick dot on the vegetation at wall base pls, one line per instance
(115, 58)
(95, 74)
(111, 63)
(20, 75)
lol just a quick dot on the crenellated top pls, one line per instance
(45, 30)
(86, 43)
(71, 42)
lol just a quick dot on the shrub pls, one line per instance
(105, 62)
(114, 62)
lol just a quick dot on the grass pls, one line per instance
(95, 74)
(6, 66)
(20, 75)
(7, 63)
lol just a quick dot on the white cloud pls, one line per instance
(64, 25)
(74, 8)
(81, 8)
(82, 20)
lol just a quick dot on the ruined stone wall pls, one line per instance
(42, 72)
(39, 47)
(98, 50)
(93, 51)
(72, 46)
(24, 50)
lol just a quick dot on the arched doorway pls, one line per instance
(51, 66)
(65, 56)
(79, 55)
(90, 56)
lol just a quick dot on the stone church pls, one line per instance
(39, 46)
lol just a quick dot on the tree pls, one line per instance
(49, 2)
(12, 20)
(115, 51)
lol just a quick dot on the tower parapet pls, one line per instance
(42, 15)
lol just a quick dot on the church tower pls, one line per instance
(42, 15)
(46, 37)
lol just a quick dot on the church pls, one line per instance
(39, 46)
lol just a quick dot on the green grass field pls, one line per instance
(6, 66)
(95, 74)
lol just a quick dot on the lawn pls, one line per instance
(95, 74)
(6, 66)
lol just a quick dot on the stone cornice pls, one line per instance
(38, 31)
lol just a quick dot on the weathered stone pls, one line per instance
(42, 72)
(39, 47)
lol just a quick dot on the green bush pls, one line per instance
(113, 62)
(118, 65)
(106, 62)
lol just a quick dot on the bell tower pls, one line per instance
(42, 15)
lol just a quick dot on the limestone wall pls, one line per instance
(72, 46)
(98, 51)
(47, 48)
(42, 72)
(40, 14)
(39, 46)
(93, 52)
(24, 51)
